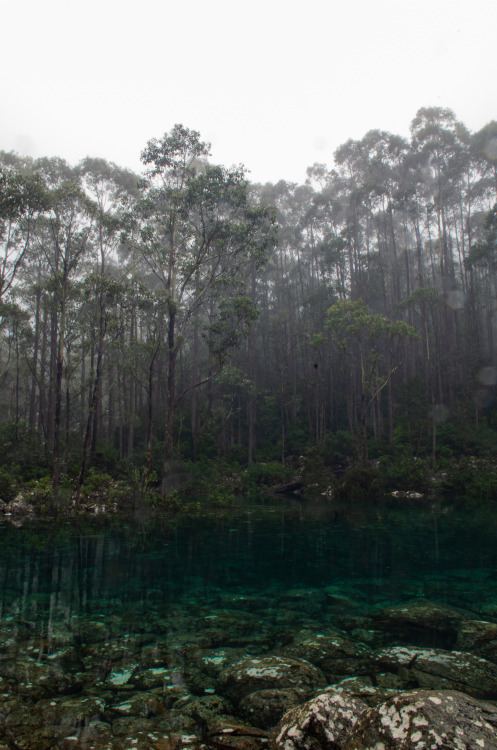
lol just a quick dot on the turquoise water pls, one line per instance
(373, 553)
(122, 627)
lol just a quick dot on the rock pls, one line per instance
(385, 686)
(210, 708)
(264, 708)
(156, 677)
(49, 720)
(322, 723)
(434, 668)
(309, 601)
(407, 494)
(97, 735)
(422, 622)
(249, 603)
(479, 637)
(234, 628)
(334, 655)
(89, 631)
(120, 676)
(236, 736)
(19, 506)
(36, 680)
(426, 719)
(142, 705)
(214, 661)
(271, 672)
(339, 599)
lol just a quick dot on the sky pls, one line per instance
(273, 85)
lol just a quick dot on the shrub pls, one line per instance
(360, 483)
(472, 478)
(404, 472)
(7, 485)
(260, 474)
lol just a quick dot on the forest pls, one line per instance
(186, 328)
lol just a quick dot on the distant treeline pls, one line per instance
(189, 313)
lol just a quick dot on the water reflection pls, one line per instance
(381, 553)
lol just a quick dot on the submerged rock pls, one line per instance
(479, 637)
(232, 628)
(266, 673)
(334, 655)
(35, 680)
(422, 622)
(310, 601)
(323, 722)
(216, 660)
(372, 692)
(264, 708)
(435, 668)
(426, 719)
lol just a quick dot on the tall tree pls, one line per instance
(198, 233)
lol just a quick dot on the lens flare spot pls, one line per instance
(440, 413)
(487, 375)
(456, 299)
(484, 398)
(490, 148)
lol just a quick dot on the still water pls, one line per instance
(373, 554)
(122, 632)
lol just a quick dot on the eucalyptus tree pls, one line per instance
(484, 150)
(64, 238)
(374, 345)
(101, 294)
(442, 142)
(23, 197)
(198, 233)
(110, 188)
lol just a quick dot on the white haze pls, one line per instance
(273, 85)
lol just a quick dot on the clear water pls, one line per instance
(86, 604)
(375, 554)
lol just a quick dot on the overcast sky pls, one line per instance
(272, 84)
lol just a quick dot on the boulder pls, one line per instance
(232, 628)
(372, 692)
(422, 622)
(334, 655)
(426, 719)
(35, 680)
(435, 668)
(19, 506)
(264, 708)
(479, 637)
(322, 723)
(309, 601)
(269, 673)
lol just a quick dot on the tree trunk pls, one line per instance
(170, 396)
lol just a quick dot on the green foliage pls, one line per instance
(350, 319)
(360, 483)
(471, 478)
(317, 474)
(7, 485)
(451, 440)
(21, 194)
(262, 475)
(221, 496)
(405, 472)
(97, 483)
(40, 492)
(22, 448)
